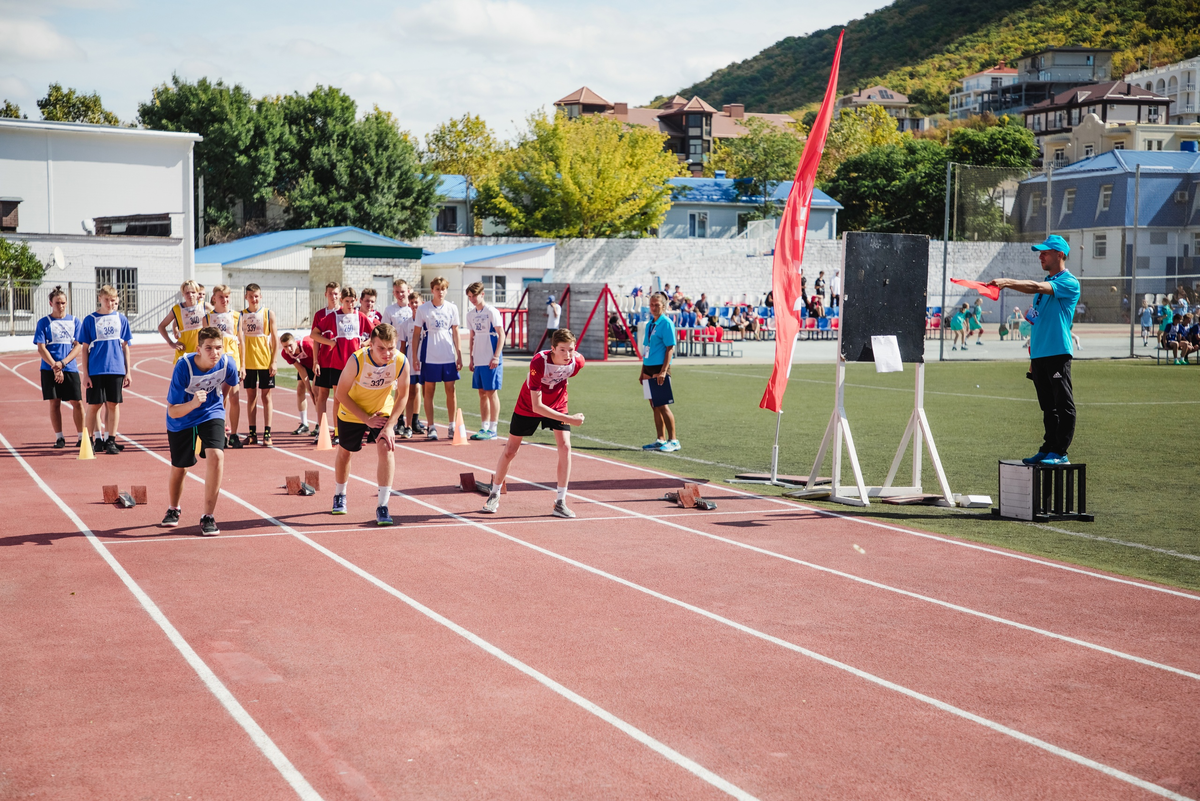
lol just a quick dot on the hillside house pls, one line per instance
(1046, 73)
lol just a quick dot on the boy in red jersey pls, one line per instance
(543, 402)
(299, 354)
(340, 335)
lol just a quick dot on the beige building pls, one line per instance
(1176, 81)
(1092, 136)
(894, 103)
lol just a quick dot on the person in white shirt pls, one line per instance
(487, 358)
(553, 317)
(437, 353)
(397, 312)
(835, 289)
(411, 421)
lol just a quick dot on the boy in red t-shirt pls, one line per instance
(543, 402)
(321, 386)
(299, 354)
(340, 335)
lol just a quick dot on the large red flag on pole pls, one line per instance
(789, 245)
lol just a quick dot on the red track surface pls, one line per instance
(636, 652)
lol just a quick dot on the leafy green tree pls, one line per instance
(67, 105)
(17, 261)
(854, 132)
(370, 176)
(1007, 144)
(12, 111)
(589, 177)
(895, 188)
(466, 147)
(309, 122)
(237, 158)
(764, 157)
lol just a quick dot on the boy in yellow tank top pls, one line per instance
(259, 343)
(225, 319)
(367, 409)
(185, 319)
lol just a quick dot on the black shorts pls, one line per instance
(259, 379)
(329, 377)
(524, 426)
(68, 390)
(303, 372)
(351, 435)
(106, 389)
(183, 443)
(660, 394)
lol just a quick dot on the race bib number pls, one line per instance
(252, 324)
(62, 332)
(347, 326)
(192, 318)
(223, 323)
(373, 377)
(108, 327)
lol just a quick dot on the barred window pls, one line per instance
(126, 283)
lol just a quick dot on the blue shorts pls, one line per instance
(414, 379)
(487, 379)
(437, 373)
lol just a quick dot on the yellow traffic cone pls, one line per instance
(460, 429)
(324, 443)
(85, 446)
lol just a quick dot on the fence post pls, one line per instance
(295, 307)
(70, 297)
(12, 319)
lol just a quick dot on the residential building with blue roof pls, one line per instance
(1091, 205)
(713, 208)
(453, 216)
(504, 269)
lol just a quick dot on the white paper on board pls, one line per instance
(646, 389)
(887, 355)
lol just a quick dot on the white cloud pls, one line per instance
(308, 49)
(11, 86)
(31, 39)
(493, 24)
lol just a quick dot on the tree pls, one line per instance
(895, 188)
(322, 117)
(12, 111)
(589, 177)
(854, 132)
(764, 157)
(466, 147)
(370, 177)
(61, 105)
(17, 261)
(1006, 144)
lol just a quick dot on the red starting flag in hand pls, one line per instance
(986, 290)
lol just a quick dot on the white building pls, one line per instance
(967, 99)
(116, 203)
(504, 270)
(1176, 81)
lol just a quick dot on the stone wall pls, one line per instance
(330, 264)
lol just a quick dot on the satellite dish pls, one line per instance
(60, 261)
(89, 226)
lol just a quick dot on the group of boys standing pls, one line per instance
(370, 361)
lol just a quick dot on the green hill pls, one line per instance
(921, 46)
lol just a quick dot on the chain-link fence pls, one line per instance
(23, 303)
(984, 204)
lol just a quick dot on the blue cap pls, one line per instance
(1054, 242)
(549, 300)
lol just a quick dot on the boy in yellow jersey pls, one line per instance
(185, 319)
(225, 319)
(366, 408)
(259, 343)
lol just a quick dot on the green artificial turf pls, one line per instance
(1136, 432)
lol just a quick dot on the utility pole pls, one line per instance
(200, 213)
(1137, 196)
(945, 255)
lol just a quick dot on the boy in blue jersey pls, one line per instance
(104, 365)
(1050, 346)
(487, 359)
(196, 412)
(1146, 316)
(57, 340)
(1175, 339)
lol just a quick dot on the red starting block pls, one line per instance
(688, 497)
(295, 486)
(313, 479)
(467, 483)
(139, 493)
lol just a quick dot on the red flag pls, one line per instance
(789, 245)
(992, 292)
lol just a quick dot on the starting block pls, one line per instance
(125, 500)
(139, 493)
(313, 479)
(111, 492)
(297, 487)
(467, 483)
(689, 498)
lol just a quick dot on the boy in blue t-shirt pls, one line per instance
(57, 340)
(1146, 315)
(196, 422)
(1175, 339)
(104, 365)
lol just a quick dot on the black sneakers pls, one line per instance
(208, 525)
(59, 444)
(110, 447)
(172, 518)
(234, 441)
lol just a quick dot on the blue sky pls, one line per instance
(424, 60)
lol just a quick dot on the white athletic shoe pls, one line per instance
(492, 504)
(561, 510)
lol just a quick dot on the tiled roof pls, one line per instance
(1096, 93)
(583, 96)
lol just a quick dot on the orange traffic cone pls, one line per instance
(460, 429)
(85, 446)
(324, 443)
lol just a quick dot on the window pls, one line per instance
(1037, 122)
(698, 224)
(1152, 114)
(1035, 203)
(695, 149)
(1105, 197)
(997, 83)
(1068, 201)
(1060, 156)
(495, 289)
(1158, 237)
(743, 222)
(1154, 144)
(8, 213)
(1100, 246)
(573, 111)
(1118, 145)
(134, 225)
(447, 220)
(1075, 115)
(125, 281)
(1088, 151)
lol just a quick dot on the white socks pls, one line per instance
(561, 493)
(491, 426)
(304, 417)
(339, 489)
(385, 493)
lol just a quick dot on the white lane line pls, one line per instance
(856, 519)
(259, 737)
(629, 729)
(850, 576)
(862, 674)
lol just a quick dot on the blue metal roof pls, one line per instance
(1115, 162)
(454, 187)
(260, 244)
(724, 190)
(477, 253)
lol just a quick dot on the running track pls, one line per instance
(639, 651)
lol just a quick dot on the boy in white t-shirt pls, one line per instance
(397, 312)
(436, 351)
(487, 359)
